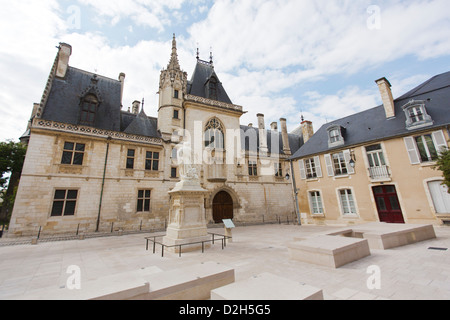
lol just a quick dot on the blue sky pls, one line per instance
(282, 58)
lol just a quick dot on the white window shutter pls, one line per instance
(301, 164)
(439, 141)
(318, 167)
(329, 163)
(412, 150)
(348, 157)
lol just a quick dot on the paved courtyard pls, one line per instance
(407, 273)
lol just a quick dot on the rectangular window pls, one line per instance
(176, 114)
(252, 168)
(340, 167)
(176, 94)
(173, 172)
(416, 114)
(347, 202)
(426, 147)
(316, 202)
(310, 168)
(130, 158)
(278, 170)
(64, 203)
(143, 202)
(375, 156)
(152, 161)
(73, 153)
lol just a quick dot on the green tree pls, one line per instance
(443, 164)
(12, 156)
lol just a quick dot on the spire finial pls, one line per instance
(198, 52)
(174, 64)
(142, 105)
(211, 56)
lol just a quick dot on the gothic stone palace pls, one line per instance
(91, 165)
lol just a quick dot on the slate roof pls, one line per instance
(250, 140)
(372, 124)
(197, 86)
(63, 104)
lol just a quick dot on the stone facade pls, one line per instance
(117, 174)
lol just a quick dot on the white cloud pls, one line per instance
(262, 48)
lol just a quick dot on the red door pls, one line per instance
(387, 204)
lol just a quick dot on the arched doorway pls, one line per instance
(222, 207)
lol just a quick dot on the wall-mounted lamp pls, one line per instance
(353, 159)
(287, 176)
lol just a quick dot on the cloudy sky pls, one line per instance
(283, 58)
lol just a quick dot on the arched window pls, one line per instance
(214, 137)
(88, 110)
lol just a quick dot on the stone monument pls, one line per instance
(187, 221)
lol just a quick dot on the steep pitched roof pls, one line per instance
(372, 124)
(143, 126)
(198, 85)
(63, 104)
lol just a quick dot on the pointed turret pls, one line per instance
(172, 88)
(174, 63)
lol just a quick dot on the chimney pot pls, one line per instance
(65, 51)
(386, 96)
(285, 137)
(274, 126)
(307, 130)
(136, 107)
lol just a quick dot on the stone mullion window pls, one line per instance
(152, 161)
(73, 153)
(64, 203)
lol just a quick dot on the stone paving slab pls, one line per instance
(410, 272)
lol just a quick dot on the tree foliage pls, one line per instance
(443, 164)
(12, 155)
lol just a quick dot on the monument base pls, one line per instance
(187, 245)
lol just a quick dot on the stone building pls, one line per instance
(93, 164)
(378, 165)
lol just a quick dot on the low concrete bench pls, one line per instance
(120, 286)
(329, 251)
(267, 286)
(190, 283)
(386, 236)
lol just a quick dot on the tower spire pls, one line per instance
(174, 64)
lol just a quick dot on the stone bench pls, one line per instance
(267, 286)
(189, 283)
(384, 236)
(120, 286)
(329, 251)
(387, 236)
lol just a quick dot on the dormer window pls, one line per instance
(212, 88)
(335, 136)
(89, 106)
(416, 115)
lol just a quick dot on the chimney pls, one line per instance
(285, 137)
(386, 96)
(136, 107)
(262, 134)
(65, 51)
(122, 82)
(274, 126)
(307, 130)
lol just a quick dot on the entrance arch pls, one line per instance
(222, 207)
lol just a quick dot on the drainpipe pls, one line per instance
(294, 189)
(103, 185)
